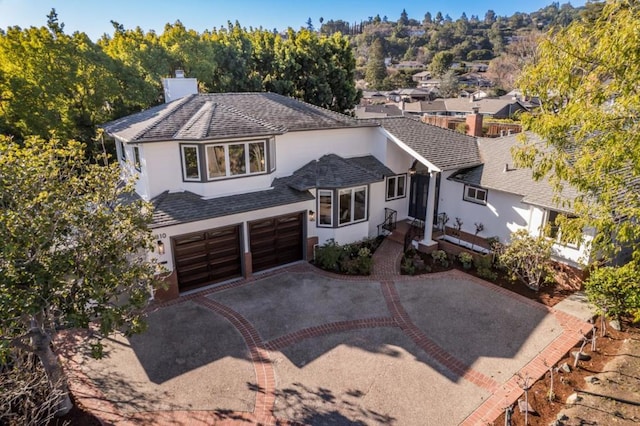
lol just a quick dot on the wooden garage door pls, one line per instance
(276, 241)
(207, 257)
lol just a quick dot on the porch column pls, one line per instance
(428, 220)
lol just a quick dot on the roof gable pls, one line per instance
(443, 148)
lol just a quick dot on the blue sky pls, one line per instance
(93, 17)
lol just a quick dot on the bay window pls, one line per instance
(190, 163)
(325, 207)
(352, 205)
(226, 160)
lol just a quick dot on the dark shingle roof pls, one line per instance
(182, 207)
(445, 149)
(223, 115)
(496, 155)
(332, 171)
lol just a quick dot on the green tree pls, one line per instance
(528, 258)
(615, 290)
(73, 254)
(54, 81)
(376, 70)
(404, 18)
(586, 77)
(441, 63)
(449, 85)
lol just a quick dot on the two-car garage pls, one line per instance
(214, 255)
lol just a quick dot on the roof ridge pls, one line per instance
(203, 111)
(241, 113)
(179, 103)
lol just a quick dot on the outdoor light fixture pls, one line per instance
(312, 216)
(412, 169)
(160, 247)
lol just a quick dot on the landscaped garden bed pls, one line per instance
(348, 259)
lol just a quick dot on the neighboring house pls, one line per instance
(505, 199)
(421, 76)
(372, 97)
(490, 107)
(408, 64)
(244, 182)
(376, 111)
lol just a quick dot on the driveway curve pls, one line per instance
(302, 346)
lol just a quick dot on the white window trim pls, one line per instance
(247, 159)
(184, 163)
(395, 187)
(137, 158)
(122, 151)
(353, 201)
(475, 200)
(272, 155)
(319, 216)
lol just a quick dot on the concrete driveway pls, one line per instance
(302, 346)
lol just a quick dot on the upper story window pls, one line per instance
(347, 205)
(136, 158)
(396, 187)
(122, 153)
(475, 194)
(226, 160)
(190, 162)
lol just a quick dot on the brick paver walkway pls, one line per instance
(386, 271)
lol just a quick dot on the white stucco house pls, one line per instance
(244, 182)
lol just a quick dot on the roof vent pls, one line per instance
(507, 168)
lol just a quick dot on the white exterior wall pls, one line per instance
(295, 149)
(503, 214)
(162, 167)
(164, 234)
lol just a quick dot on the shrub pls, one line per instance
(351, 259)
(407, 265)
(466, 259)
(484, 268)
(528, 259)
(328, 256)
(615, 290)
(440, 256)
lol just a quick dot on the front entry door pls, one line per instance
(418, 196)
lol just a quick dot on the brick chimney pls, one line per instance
(474, 122)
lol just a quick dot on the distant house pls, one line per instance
(474, 79)
(372, 97)
(421, 76)
(491, 107)
(376, 111)
(409, 64)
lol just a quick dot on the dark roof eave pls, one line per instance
(458, 167)
(202, 140)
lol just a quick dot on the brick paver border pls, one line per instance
(386, 271)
